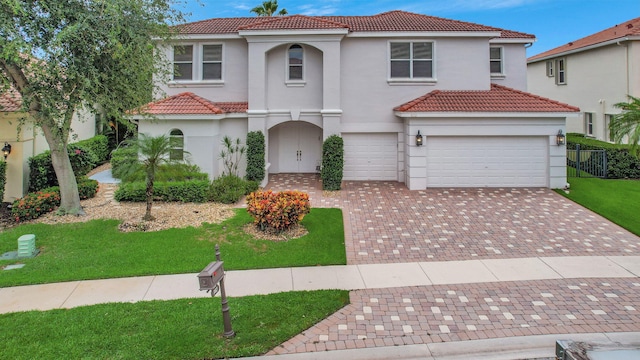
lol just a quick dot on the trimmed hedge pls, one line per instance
(332, 163)
(620, 163)
(255, 156)
(99, 144)
(171, 172)
(228, 189)
(38, 203)
(3, 178)
(183, 191)
(42, 175)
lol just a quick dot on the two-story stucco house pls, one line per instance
(426, 101)
(27, 140)
(593, 73)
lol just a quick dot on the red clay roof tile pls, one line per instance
(188, 103)
(389, 21)
(628, 28)
(498, 99)
(10, 101)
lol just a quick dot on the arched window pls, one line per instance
(295, 62)
(176, 138)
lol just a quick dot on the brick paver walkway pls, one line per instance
(387, 223)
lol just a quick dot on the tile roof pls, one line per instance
(188, 103)
(389, 21)
(10, 101)
(498, 99)
(298, 22)
(628, 28)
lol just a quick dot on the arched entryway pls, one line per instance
(295, 147)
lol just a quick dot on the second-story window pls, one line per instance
(411, 60)
(295, 62)
(588, 124)
(561, 71)
(550, 68)
(211, 62)
(495, 60)
(183, 62)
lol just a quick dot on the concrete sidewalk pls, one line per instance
(348, 277)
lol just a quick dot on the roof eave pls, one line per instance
(584, 48)
(245, 33)
(399, 34)
(480, 114)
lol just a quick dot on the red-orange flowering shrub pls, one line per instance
(277, 211)
(35, 204)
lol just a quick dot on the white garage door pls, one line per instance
(371, 156)
(487, 161)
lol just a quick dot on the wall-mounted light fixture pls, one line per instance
(6, 150)
(560, 138)
(419, 139)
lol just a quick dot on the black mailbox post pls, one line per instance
(211, 278)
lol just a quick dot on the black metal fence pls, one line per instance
(586, 163)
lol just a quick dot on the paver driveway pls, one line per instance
(387, 223)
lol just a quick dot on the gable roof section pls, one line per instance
(188, 103)
(620, 31)
(392, 21)
(297, 22)
(10, 100)
(498, 99)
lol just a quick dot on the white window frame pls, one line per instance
(295, 82)
(176, 148)
(202, 62)
(549, 64)
(501, 60)
(412, 80)
(588, 124)
(561, 71)
(608, 136)
(197, 66)
(173, 62)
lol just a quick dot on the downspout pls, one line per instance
(626, 60)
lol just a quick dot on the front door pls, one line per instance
(300, 149)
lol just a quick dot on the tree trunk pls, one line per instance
(149, 193)
(69, 195)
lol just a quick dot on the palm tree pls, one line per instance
(268, 8)
(627, 124)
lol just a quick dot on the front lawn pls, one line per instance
(616, 200)
(98, 250)
(177, 329)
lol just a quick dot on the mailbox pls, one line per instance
(211, 275)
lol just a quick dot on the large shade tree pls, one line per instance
(268, 8)
(66, 54)
(627, 124)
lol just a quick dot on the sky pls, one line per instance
(553, 22)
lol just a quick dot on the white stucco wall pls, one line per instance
(515, 72)
(596, 80)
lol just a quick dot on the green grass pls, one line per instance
(97, 249)
(177, 329)
(616, 200)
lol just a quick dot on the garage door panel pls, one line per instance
(486, 161)
(371, 156)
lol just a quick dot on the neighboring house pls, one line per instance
(377, 81)
(27, 141)
(593, 73)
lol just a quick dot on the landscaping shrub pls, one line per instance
(277, 211)
(171, 172)
(3, 178)
(228, 189)
(121, 159)
(176, 191)
(41, 172)
(99, 144)
(255, 156)
(620, 163)
(332, 162)
(35, 204)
